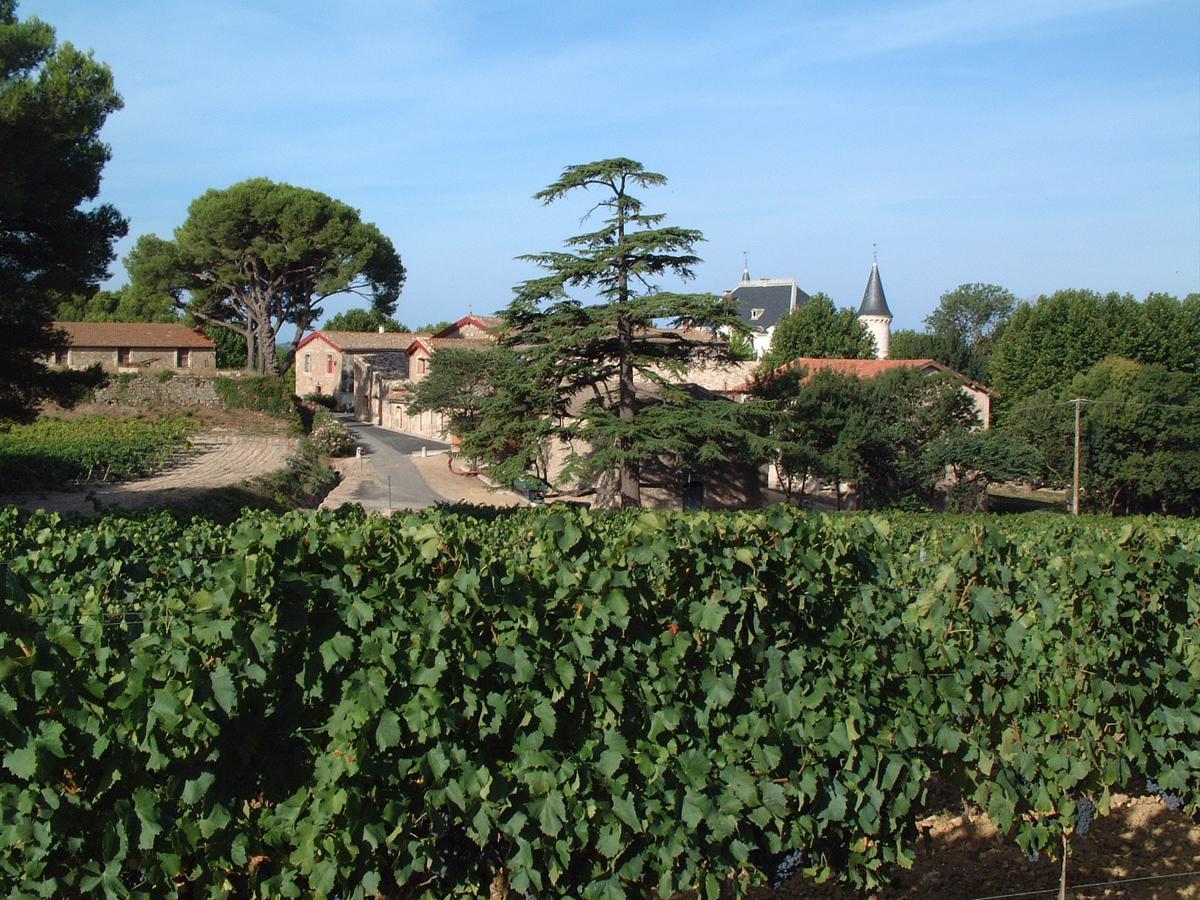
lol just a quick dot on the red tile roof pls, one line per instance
(431, 345)
(859, 368)
(135, 334)
(487, 323)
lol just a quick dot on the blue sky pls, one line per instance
(1036, 144)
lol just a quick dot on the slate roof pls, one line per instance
(135, 335)
(873, 302)
(775, 297)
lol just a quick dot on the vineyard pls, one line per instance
(54, 452)
(569, 703)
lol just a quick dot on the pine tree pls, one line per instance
(54, 243)
(596, 351)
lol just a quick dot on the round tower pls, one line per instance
(874, 313)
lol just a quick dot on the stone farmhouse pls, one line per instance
(372, 373)
(135, 345)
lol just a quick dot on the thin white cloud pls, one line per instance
(937, 22)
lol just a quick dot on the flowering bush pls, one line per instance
(330, 436)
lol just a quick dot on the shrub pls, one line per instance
(326, 400)
(260, 393)
(265, 394)
(329, 436)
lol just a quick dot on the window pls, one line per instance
(183, 359)
(693, 494)
(307, 362)
(756, 314)
(122, 356)
(422, 366)
(61, 357)
(329, 363)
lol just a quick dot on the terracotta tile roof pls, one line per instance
(135, 334)
(461, 343)
(860, 368)
(365, 341)
(433, 344)
(488, 323)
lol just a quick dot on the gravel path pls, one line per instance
(220, 460)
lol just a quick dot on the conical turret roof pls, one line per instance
(874, 303)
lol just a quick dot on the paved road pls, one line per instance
(389, 454)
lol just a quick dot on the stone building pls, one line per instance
(325, 360)
(135, 345)
(371, 373)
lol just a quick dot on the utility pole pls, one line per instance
(1078, 401)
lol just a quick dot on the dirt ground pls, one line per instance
(219, 459)
(966, 858)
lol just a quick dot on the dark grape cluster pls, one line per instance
(1085, 814)
(1173, 801)
(788, 866)
(457, 854)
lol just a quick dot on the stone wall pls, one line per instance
(137, 389)
(147, 358)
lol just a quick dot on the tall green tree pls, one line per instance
(818, 428)
(1140, 437)
(359, 319)
(910, 414)
(972, 315)
(1050, 341)
(892, 437)
(818, 330)
(260, 255)
(152, 295)
(595, 351)
(500, 417)
(962, 331)
(908, 343)
(53, 102)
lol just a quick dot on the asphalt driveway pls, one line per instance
(397, 483)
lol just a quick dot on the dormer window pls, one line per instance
(756, 314)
